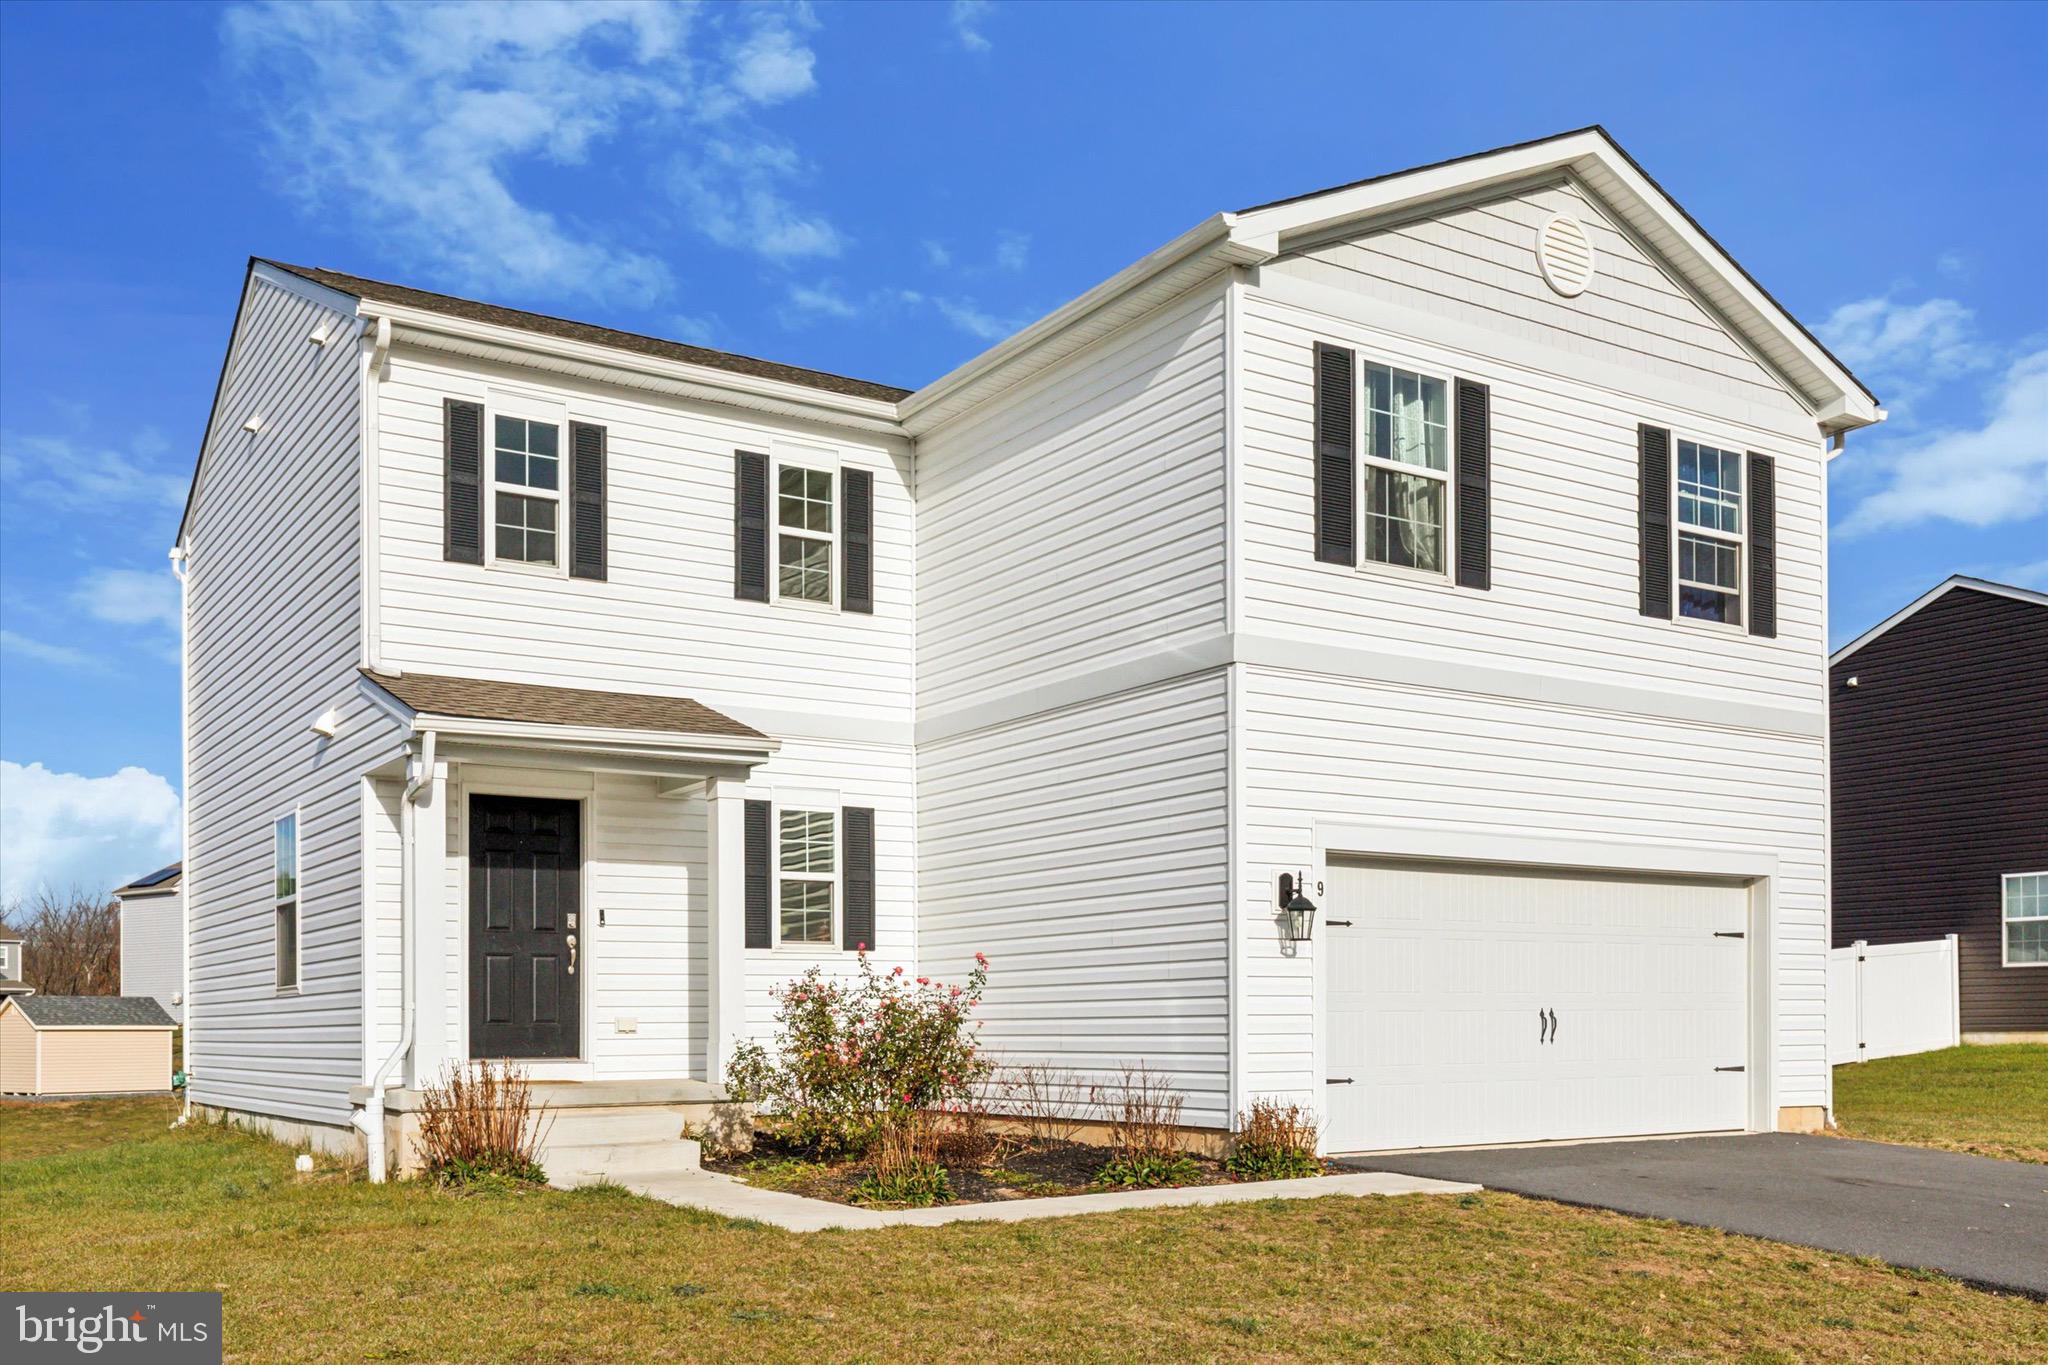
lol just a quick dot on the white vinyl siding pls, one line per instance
(1083, 851)
(152, 949)
(1076, 523)
(274, 633)
(664, 619)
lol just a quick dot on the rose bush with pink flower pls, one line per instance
(853, 1057)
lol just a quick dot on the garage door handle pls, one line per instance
(1336, 924)
(1337, 1080)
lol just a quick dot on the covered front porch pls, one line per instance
(556, 878)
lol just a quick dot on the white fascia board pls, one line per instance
(1841, 400)
(597, 738)
(605, 364)
(1210, 247)
(1933, 595)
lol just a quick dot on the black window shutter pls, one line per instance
(857, 540)
(1475, 485)
(750, 527)
(760, 931)
(1336, 455)
(462, 493)
(1653, 497)
(586, 500)
(857, 877)
(1763, 545)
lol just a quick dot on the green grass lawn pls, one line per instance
(1991, 1100)
(331, 1268)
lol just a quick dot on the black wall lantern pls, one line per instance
(1299, 911)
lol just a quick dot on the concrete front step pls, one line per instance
(590, 1127)
(582, 1164)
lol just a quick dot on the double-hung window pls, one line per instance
(1407, 469)
(807, 876)
(526, 501)
(1709, 533)
(2026, 919)
(803, 534)
(284, 862)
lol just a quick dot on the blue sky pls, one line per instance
(882, 191)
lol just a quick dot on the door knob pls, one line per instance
(572, 954)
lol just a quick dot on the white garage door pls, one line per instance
(1482, 1005)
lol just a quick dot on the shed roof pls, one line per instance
(92, 1011)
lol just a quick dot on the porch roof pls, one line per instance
(537, 704)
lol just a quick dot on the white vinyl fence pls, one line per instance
(1892, 999)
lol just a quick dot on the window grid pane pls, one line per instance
(1404, 519)
(804, 567)
(1407, 418)
(806, 911)
(528, 453)
(526, 529)
(807, 844)
(1709, 488)
(803, 499)
(287, 934)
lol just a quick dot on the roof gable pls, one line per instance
(1954, 583)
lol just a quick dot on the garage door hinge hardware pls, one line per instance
(1336, 924)
(1730, 1068)
(1729, 933)
(1337, 1080)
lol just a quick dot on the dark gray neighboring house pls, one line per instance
(11, 970)
(1939, 765)
(153, 938)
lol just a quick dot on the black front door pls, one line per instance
(525, 894)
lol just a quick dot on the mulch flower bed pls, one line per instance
(1008, 1171)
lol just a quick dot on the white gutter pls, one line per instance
(179, 567)
(370, 1118)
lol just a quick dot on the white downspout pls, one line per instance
(371, 1118)
(179, 567)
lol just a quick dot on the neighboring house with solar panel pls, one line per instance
(153, 938)
(1451, 544)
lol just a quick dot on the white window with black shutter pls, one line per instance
(803, 529)
(809, 880)
(1403, 469)
(524, 487)
(1708, 525)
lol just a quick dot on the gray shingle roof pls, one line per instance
(164, 879)
(92, 1011)
(474, 311)
(490, 699)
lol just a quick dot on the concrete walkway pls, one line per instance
(722, 1194)
(1980, 1220)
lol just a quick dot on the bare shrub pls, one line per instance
(964, 1139)
(907, 1167)
(1275, 1141)
(1046, 1100)
(480, 1125)
(1143, 1110)
(70, 941)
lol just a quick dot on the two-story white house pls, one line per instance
(1451, 544)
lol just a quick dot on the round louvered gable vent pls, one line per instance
(1565, 255)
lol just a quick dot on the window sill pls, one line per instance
(1401, 573)
(282, 991)
(804, 604)
(1700, 623)
(519, 566)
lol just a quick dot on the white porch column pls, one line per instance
(725, 940)
(433, 1040)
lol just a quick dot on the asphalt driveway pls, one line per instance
(1980, 1220)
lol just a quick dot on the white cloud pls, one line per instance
(974, 321)
(818, 300)
(1980, 476)
(1953, 264)
(1013, 250)
(130, 597)
(968, 16)
(732, 189)
(420, 119)
(936, 256)
(64, 656)
(1904, 349)
(77, 476)
(63, 829)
